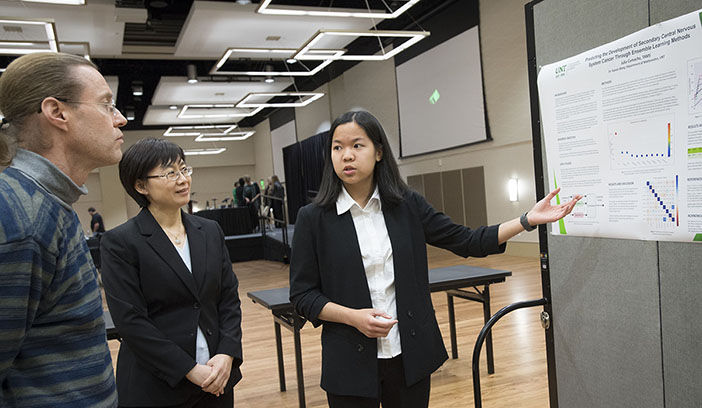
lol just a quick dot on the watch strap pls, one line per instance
(525, 222)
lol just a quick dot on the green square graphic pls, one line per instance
(434, 98)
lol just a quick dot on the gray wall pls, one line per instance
(625, 312)
(460, 194)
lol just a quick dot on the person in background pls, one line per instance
(279, 193)
(171, 290)
(252, 194)
(60, 123)
(234, 199)
(266, 202)
(96, 225)
(239, 193)
(359, 268)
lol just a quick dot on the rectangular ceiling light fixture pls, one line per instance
(225, 110)
(259, 99)
(198, 130)
(67, 2)
(195, 152)
(26, 36)
(218, 137)
(326, 56)
(265, 8)
(413, 37)
(81, 49)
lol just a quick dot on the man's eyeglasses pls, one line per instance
(110, 106)
(173, 175)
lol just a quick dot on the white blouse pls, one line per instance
(202, 351)
(376, 251)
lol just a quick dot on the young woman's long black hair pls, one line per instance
(386, 175)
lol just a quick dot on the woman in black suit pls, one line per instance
(171, 290)
(359, 266)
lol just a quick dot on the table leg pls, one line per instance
(488, 338)
(279, 350)
(298, 366)
(452, 326)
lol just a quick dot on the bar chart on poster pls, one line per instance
(623, 126)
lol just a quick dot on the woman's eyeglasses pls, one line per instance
(173, 175)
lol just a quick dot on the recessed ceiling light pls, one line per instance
(322, 12)
(192, 73)
(173, 107)
(19, 41)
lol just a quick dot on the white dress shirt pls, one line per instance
(202, 352)
(376, 251)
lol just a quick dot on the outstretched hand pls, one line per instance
(543, 212)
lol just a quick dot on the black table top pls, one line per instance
(440, 279)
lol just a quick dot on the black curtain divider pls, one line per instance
(294, 189)
(303, 162)
(313, 150)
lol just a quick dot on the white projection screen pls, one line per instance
(440, 94)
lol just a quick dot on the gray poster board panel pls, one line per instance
(604, 292)
(681, 303)
(680, 268)
(606, 322)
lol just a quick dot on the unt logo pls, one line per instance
(434, 98)
(561, 69)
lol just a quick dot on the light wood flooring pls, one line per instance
(519, 347)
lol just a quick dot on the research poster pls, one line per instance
(622, 126)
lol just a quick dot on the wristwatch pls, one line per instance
(525, 223)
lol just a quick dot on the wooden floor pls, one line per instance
(519, 348)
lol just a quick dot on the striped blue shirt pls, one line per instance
(53, 349)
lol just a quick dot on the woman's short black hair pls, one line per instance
(386, 175)
(142, 157)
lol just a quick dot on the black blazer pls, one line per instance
(157, 305)
(326, 265)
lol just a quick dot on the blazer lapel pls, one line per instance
(400, 235)
(198, 247)
(350, 253)
(163, 247)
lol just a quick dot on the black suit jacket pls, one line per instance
(157, 305)
(326, 265)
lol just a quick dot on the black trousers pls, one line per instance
(207, 400)
(393, 391)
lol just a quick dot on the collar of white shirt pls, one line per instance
(344, 202)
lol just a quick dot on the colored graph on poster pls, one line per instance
(695, 85)
(630, 145)
(661, 209)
